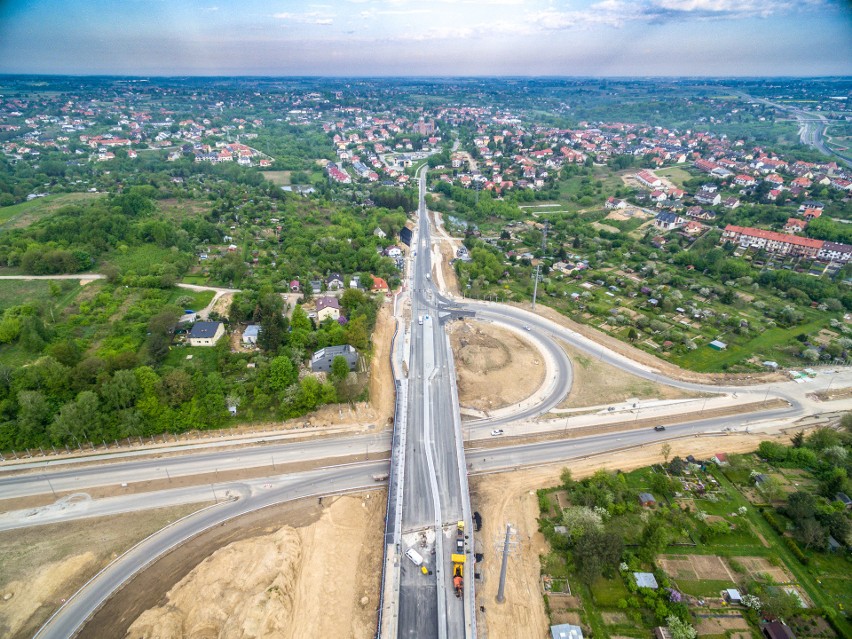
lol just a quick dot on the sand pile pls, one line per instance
(315, 581)
(19, 600)
(243, 590)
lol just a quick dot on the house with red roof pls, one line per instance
(380, 285)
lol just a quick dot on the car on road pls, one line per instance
(496, 432)
(659, 427)
(526, 328)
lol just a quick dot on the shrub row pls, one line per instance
(770, 518)
(794, 548)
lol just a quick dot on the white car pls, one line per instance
(526, 328)
(496, 432)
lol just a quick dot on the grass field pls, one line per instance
(278, 178)
(15, 292)
(676, 174)
(25, 213)
(706, 360)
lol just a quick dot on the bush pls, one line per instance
(772, 521)
(794, 548)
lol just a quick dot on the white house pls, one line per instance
(206, 333)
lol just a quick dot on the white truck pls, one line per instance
(414, 556)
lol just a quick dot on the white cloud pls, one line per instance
(311, 17)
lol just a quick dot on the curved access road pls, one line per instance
(67, 621)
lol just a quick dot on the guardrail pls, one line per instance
(393, 515)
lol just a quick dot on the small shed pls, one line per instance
(844, 499)
(647, 499)
(833, 544)
(718, 345)
(566, 631)
(777, 630)
(732, 595)
(250, 334)
(645, 580)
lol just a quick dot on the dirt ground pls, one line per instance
(667, 368)
(596, 383)
(42, 566)
(760, 567)
(381, 378)
(718, 624)
(223, 304)
(696, 567)
(510, 498)
(494, 366)
(312, 580)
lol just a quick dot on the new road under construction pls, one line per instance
(426, 546)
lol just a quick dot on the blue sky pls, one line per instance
(427, 37)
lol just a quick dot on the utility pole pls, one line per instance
(508, 545)
(535, 286)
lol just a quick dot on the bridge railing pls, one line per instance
(393, 516)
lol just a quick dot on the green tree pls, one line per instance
(339, 368)
(597, 552)
(77, 421)
(281, 374)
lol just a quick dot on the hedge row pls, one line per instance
(794, 548)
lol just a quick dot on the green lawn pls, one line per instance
(200, 299)
(676, 174)
(25, 213)
(706, 360)
(607, 592)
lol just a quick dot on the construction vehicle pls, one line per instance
(458, 573)
(458, 560)
(460, 538)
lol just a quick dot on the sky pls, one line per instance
(427, 37)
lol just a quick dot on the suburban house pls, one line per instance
(649, 179)
(250, 335)
(322, 359)
(794, 225)
(295, 286)
(668, 221)
(327, 308)
(379, 285)
(378, 232)
(334, 282)
(206, 333)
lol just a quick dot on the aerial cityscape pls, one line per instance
(382, 319)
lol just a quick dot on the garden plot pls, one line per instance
(758, 567)
(720, 624)
(695, 567)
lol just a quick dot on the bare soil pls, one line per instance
(719, 624)
(40, 567)
(317, 579)
(494, 366)
(382, 396)
(596, 383)
(667, 368)
(696, 567)
(223, 304)
(511, 498)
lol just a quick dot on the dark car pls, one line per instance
(659, 428)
